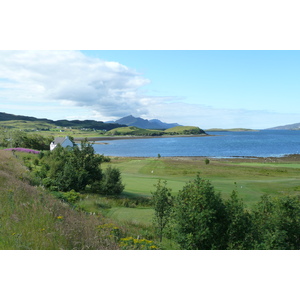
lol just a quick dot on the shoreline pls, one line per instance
(270, 159)
(133, 137)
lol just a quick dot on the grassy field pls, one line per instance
(252, 178)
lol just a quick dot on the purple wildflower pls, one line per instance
(23, 150)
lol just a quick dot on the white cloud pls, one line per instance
(69, 77)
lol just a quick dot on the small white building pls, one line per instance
(63, 141)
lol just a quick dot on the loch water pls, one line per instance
(264, 143)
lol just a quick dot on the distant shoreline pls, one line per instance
(132, 137)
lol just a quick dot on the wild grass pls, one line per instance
(33, 219)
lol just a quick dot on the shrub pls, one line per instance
(130, 243)
(200, 217)
(71, 197)
(111, 183)
(111, 230)
(163, 204)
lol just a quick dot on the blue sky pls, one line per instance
(223, 79)
(223, 89)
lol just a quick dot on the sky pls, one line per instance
(211, 89)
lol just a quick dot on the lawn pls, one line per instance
(251, 179)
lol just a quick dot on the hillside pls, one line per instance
(36, 220)
(132, 130)
(145, 124)
(135, 131)
(15, 121)
(295, 126)
(185, 130)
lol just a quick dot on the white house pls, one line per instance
(63, 141)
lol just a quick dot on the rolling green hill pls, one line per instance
(135, 131)
(132, 130)
(24, 122)
(184, 130)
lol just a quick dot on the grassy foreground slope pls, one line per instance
(33, 219)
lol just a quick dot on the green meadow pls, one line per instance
(252, 178)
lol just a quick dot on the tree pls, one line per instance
(4, 137)
(163, 204)
(240, 226)
(277, 222)
(73, 168)
(200, 217)
(111, 183)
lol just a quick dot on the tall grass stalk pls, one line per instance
(30, 218)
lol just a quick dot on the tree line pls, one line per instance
(21, 139)
(199, 218)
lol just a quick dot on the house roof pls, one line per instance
(59, 140)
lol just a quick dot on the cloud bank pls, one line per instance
(71, 78)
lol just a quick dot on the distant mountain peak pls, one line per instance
(144, 123)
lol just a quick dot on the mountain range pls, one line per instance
(144, 123)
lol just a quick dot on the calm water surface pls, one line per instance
(263, 143)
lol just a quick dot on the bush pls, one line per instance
(111, 183)
(131, 243)
(200, 217)
(71, 197)
(72, 168)
(277, 223)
